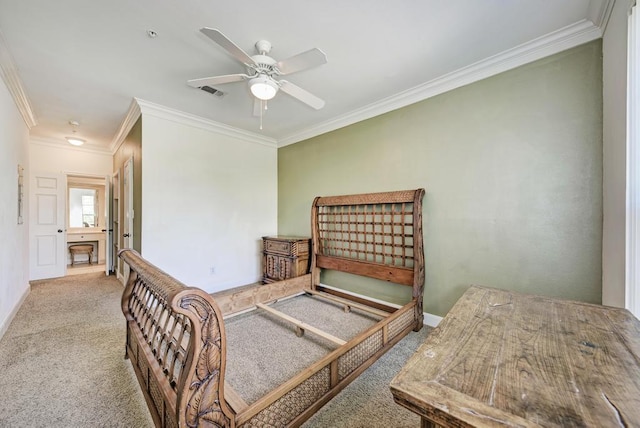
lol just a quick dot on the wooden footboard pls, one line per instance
(176, 343)
(176, 338)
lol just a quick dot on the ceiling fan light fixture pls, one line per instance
(75, 141)
(263, 88)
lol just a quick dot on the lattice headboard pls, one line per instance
(378, 235)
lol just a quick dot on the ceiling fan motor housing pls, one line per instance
(263, 64)
(263, 47)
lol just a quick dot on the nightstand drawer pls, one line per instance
(285, 245)
(280, 247)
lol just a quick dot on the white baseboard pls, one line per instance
(429, 319)
(7, 322)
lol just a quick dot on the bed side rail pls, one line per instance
(176, 343)
(296, 400)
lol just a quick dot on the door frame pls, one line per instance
(105, 205)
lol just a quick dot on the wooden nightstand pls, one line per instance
(284, 257)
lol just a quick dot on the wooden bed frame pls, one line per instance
(176, 337)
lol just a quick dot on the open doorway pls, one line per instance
(86, 224)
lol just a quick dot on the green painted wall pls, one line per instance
(512, 166)
(132, 147)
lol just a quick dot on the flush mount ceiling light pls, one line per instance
(263, 87)
(74, 128)
(75, 141)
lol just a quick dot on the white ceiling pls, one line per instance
(86, 60)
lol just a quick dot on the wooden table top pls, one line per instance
(501, 358)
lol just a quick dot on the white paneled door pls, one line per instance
(108, 268)
(47, 226)
(127, 229)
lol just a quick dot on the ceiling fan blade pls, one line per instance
(302, 95)
(227, 44)
(309, 59)
(216, 80)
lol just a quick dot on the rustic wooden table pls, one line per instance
(500, 358)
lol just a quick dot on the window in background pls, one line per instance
(83, 207)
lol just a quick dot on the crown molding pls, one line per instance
(129, 120)
(166, 113)
(573, 35)
(50, 142)
(599, 13)
(11, 78)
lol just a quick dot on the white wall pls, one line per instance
(46, 157)
(207, 199)
(614, 76)
(14, 238)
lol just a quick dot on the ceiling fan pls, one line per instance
(262, 71)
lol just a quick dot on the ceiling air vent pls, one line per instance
(212, 91)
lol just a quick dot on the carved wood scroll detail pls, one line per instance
(204, 406)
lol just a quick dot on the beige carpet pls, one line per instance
(62, 365)
(61, 360)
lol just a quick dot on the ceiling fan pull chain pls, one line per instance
(261, 109)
